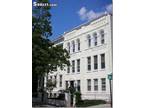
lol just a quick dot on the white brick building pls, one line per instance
(90, 47)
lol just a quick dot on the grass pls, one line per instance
(86, 103)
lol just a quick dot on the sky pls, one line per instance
(71, 13)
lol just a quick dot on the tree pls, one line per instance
(50, 85)
(45, 56)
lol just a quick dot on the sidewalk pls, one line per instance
(96, 106)
(100, 106)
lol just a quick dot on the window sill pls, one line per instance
(95, 70)
(102, 69)
(74, 52)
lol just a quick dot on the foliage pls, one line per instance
(71, 89)
(50, 85)
(86, 103)
(45, 56)
(78, 96)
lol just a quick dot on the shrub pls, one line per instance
(78, 97)
(86, 103)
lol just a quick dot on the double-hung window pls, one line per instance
(78, 44)
(78, 85)
(95, 84)
(68, 69)
(78, 65)
(73, 46)
(102, 61)
(88, 63)
(103, 84)
(95, 39)
(68, 47)
(102, 36)
(60, 80)
(89, 40)
(73, 66)
(89, 84)
(95, 62)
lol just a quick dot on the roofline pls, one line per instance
(79, 26)
(60, 37)
(86, 23)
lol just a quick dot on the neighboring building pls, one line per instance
(90, 48)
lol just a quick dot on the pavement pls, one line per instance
(96, 106)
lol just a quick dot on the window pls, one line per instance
(78, 85)
(102, 61)
(68, 69)
(95, 62)
(73, 46)
(89, 40)
(66, 84)
(68, 47)
(78, 44)
(78, 65)
(102, 36)
(95, 84)
(55, 68)
(89, 84)
(89, 63)
(95, 39)
(55, 80)
(103, 84)
(51, 77)
(60, 80)
(73, 66)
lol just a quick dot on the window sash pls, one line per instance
(78, 65)
(102, 61)
(103, 83)
(60, 80)
(78, 45)
(68, 69)
(73, 66)
(102, 37)
(89, 41)
(89, 85)
(89, 63)
(95, 62)
(73, 44)
(95, 84)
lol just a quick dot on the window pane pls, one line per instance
(102, 61)
(73, 66)
(78, 44)
(102, 36)
(78, 85)
(103, 83)
(73, 45)
(78, 65)
(89, 40)
(89, 63)
(95, 38)
(95, 62)
(68, 46)
(89, 84)
(68, 69)
(60, 80)
(95, 84)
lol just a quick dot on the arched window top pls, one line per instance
(102, 31)
(78, 39)
(95, 34)
(88, 36)
(73, 42)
